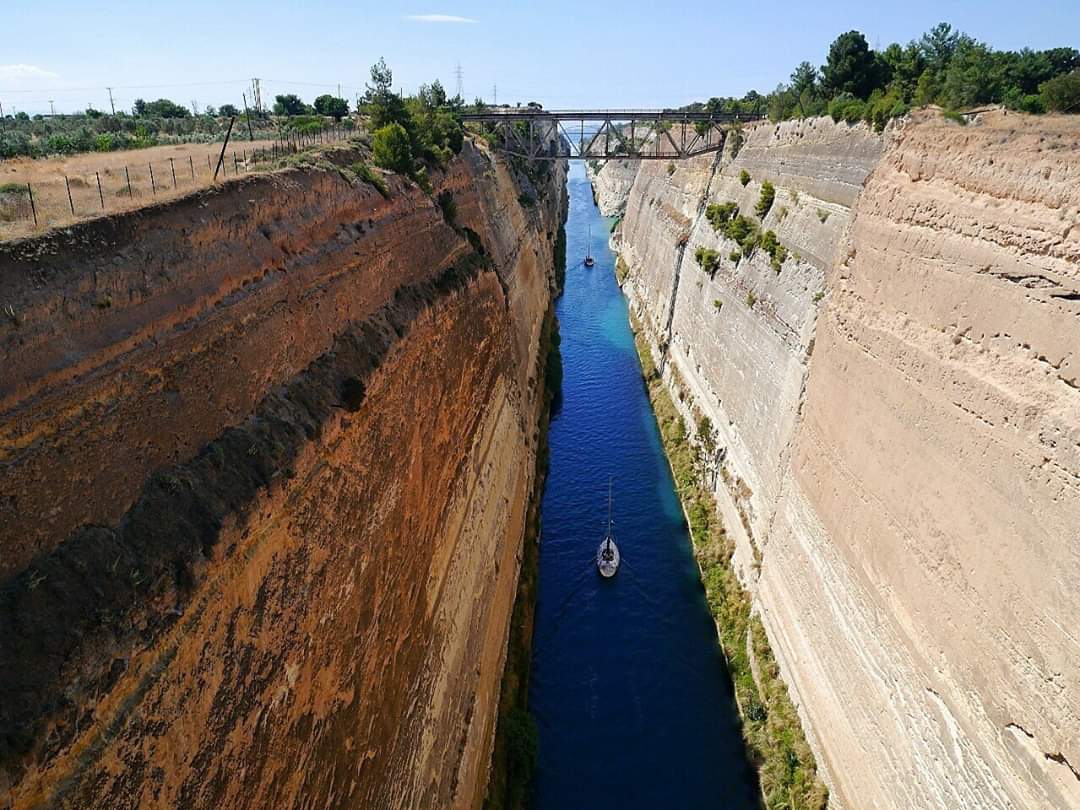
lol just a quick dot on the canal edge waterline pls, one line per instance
(800, 785)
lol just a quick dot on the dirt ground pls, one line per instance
(125, 178)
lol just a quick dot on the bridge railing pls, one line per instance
(496, 113)
(658, 134)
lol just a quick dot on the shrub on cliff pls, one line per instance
(707, 259)
(777, 252)
(523, 748)
(719, 214)
(448, 207)
(744, 231)
(765, 201)
(392, 150)
(364, 172)
(744, 177)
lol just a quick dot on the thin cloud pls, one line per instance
(14, 72)
(439, 18)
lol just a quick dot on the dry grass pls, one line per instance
(192, 164)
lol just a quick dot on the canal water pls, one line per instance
(629, 687)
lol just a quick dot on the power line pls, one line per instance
(130, 87)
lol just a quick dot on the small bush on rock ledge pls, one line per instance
(707, 259)
(765, 201)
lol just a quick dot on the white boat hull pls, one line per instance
(607, 564)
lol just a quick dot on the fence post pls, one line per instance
(221, 157)
(172, 165)
(100, 195)
(33, 208)
(209, 165)
(71, 203)
(235, 167)
(191, 163)
(153, 185)
(127, 175)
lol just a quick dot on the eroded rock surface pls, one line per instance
(267, 453)
(897, 413)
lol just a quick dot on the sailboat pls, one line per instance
(607, 556)
(589, 261)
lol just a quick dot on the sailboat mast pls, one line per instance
(609, 507)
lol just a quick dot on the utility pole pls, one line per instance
(494, 95)
(339, 90)
(52, 109)
(460, 80)
(112, 105)
(256, 96)
(247, 116)
(195, 107)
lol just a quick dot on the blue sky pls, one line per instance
(559, 52)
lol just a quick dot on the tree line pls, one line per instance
(944, 66)
(151, 123)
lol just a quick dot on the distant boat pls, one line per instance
(607, 556)
(589, 261)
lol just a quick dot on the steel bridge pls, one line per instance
(537, 134)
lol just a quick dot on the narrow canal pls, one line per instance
(629, 688)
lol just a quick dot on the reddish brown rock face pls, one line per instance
(267, 455)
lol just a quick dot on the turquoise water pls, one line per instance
(629, 688)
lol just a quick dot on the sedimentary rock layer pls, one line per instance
(897, 413)
(266, 458)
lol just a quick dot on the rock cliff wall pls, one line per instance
(611, 182)
(265, 461)
(897, 417)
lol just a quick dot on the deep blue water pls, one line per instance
(629, 687)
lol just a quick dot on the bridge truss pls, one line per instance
(536, 134)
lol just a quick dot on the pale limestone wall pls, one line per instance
(907, 465)
(612, 181)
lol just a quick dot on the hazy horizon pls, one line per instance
(638, 56)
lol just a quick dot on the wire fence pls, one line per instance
(87, 191)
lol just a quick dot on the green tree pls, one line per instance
(927, 89)
(905, 66)
(332, 105)
(437, 131)
(804, 86)
(289, 104)
(783, 103)
(391, 148)
(162, 108)
(384, 106)
(972, 76)
(851, 67)
(1062, 93)
(228, 110)
(939, 44)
